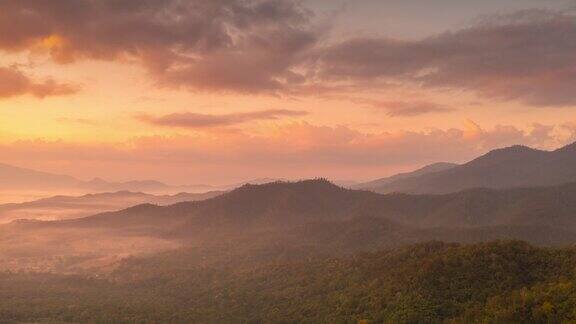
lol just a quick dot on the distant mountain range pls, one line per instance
(516, 166)
(532, 214)
(153, 186)
(16, 178)
(378, 184)
(512, 167)
(67, 207)
(512, 193)
(12, 178)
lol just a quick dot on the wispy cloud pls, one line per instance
(410, 108)
(78, 121)
(194, 120)
(14, 82)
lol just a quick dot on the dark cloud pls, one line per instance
(236, 45)
(272, 46)
(193, 120)
(526, 56)
(14, 82)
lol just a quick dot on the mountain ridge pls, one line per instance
(65, 207)
(285, 205)
(510, 167)
(430, 168)
(311, 215)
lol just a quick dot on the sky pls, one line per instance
(219, 91)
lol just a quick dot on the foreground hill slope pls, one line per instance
(500, 282)
(516, 166)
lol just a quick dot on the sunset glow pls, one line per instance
(287, 161)
(278, 88)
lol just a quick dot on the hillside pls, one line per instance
(379, 183)
(313, 215)
(500, 282)
(281, 204)
(305, 252)
(516, 166)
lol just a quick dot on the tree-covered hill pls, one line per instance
(499, 282)
(284, 205)
(308, 214)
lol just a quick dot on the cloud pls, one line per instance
(228, 45)
(526, 56)
(410, 108)
(293, 150)
(14, 82)
(78, 121)
(276, 46)
(194, 120)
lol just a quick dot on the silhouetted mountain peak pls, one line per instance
(507, 157)
(570, 148)
(509, 167)
(250, 206)
(507, 153)
(16, 177)
(304, 186)
(431, 168)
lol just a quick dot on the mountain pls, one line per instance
(516, 166)
(12, 178)
(375, 184)
(67, 207)
(100, 185)
(434, 282)
(283, 206)
(314, 216)
(307, 251)
(149, 186)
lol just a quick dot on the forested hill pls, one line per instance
(500, 282)
(305, 252)
(287, 205)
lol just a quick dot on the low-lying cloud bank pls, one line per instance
(296, 150)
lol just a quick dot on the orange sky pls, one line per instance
(224, 91)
